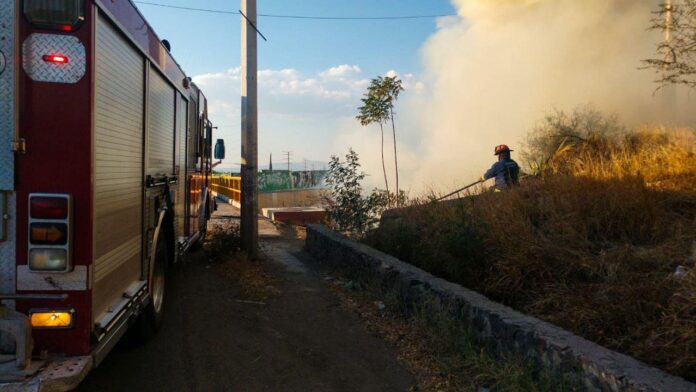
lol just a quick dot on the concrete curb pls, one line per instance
(500, 327)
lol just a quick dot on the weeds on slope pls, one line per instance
(591, 243)
(440, 351)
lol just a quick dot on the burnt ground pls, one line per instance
(300, 339)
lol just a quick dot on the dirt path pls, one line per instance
(300, 340)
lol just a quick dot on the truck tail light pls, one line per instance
(64, 15)
(48, 207)
(43, 233)
(43, 319)
(50, 232)
(48, 260)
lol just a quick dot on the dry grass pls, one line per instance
(664, 159)
(591, 244)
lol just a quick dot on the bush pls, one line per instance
(348, 210)
(561, 132)
(590, 244)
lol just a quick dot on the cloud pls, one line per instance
(307, 114)
(340, 71)
(288, 90)
(409, 80)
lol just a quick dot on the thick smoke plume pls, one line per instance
(502, 65)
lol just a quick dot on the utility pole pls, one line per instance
(249, 203)
(288, 156)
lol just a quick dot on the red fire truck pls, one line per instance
(105, 160)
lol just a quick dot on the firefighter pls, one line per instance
(506, 171)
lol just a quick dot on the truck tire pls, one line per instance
(151, 319)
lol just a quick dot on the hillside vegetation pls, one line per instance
(591, 242)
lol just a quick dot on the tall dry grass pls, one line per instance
(591, 243)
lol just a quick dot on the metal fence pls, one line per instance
(228, 186)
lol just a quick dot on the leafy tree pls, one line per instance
(677, 64)
(372, 111)
(347, 209)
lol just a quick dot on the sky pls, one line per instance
(484, 75)
(312, 72)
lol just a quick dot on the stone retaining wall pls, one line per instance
(498, 326)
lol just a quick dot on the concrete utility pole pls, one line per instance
(249, 202)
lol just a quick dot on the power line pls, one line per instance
(187, 8)
(313, 17)
(356, 17)
(253, 25)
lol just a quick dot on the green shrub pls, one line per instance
(348, 210)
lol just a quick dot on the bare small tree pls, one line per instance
(677, 64)
(374, 110)
(390, 87)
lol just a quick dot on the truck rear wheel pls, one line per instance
(150, 320)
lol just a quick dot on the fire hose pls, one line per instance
(460, 190)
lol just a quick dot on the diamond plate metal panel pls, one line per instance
(7, 93)
(7, 249)
(38, 45)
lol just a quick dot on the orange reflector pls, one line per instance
(55, 58)
(57, 319)
(45, 233)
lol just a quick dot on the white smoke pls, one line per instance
(502, 65)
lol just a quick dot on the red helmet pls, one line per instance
(501, 149)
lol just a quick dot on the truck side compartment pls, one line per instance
(118, 166)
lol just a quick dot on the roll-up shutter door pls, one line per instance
(160, 133)
(181, 126)
(118, 156)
